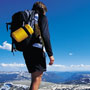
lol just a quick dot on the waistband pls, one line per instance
(38, 45)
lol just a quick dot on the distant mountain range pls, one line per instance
(67, 77)
(12, 76)
(54, 77)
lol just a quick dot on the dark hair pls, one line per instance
(39, 7)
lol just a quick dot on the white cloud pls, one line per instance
(80, 67)
(12, 65)
(70, 54)
(59, 66)
(56, 67)
(6, 46)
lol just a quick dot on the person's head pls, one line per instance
(40, 8)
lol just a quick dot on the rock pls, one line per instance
(24, 85)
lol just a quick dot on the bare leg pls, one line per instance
(36, 79)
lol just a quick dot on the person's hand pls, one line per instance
(14, 49)
(51, 60)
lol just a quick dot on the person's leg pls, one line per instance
(36, 79)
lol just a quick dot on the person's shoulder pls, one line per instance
(44, 18)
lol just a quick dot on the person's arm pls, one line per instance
(46, 37)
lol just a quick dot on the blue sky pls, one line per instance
(69, 25)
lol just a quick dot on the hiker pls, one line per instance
(34, 55)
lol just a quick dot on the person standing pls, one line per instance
(34, 55)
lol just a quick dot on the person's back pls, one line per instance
(35, 54)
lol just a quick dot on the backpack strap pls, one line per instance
(7, 24)
(30, 15)
(12, 48)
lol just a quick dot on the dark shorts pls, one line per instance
(35, 60)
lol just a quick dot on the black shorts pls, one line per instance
(35, 60)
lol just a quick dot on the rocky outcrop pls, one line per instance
(24, 85)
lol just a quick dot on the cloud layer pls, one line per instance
(12, 65)
(55, 67)
(80, 67)
(6, 46)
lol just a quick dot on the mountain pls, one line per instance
(11, 76)
(79, 78)
(24, 85)
(57, 77)
(54, 77)
(67, 77)
(50, 81)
